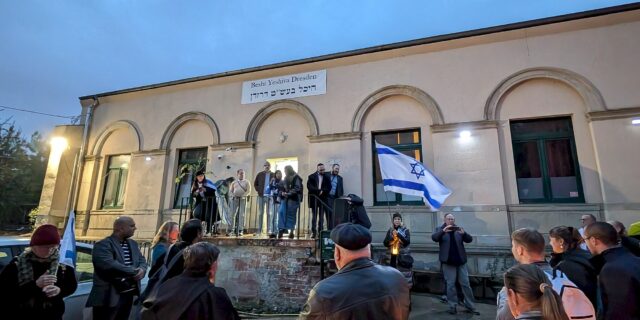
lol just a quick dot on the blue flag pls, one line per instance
(406, 175)
(68, 244)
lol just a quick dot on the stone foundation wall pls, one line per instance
(265, 275)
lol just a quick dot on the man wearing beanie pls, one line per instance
(360, 289)
(119, 265)
(34, 284)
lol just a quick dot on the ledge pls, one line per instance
(290, 243)
(233, 145)
(614, 114)
(471, 125)
(342, 136)
(154, 152)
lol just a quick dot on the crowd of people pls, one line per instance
(278, 199)
(600, 280)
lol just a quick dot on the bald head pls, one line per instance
(124, 227)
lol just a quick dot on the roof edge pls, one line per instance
(386, 47)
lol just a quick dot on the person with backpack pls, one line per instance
(573, 261)
(192, 294)
(527, 247)
(619, 273)
(531, 295)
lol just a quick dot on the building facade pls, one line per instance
(548, 111)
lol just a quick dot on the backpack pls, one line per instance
(575, 302)
(159, 276)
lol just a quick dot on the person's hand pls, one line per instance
(46, 280)
(51, 291)
(140, 274)
(461, 231)
(394, 233)
(448, 228)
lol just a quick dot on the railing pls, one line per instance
(219, 220)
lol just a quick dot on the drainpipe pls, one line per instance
(76, 174)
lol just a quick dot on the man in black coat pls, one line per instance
(319, 185)
(360, 289)
(453, 257)
(619, 277)
(192, 295)
(119, 266)
(337, 188)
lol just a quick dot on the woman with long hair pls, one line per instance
(530, 294)
(573, 261)
(33, 284)
(166, 236)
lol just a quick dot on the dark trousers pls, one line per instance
(119, 312)
(319, 214)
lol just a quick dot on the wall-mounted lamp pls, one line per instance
(635, 122)
(147, 158)
(59, 144)
(465, 134)
(220, 156)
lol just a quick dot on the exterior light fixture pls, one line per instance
(465, 134)
(147, 158)
(59, 144)
(635, 122)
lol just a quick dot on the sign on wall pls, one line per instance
(285, 87)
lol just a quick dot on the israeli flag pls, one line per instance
(209, 184)
(68, 245)
(406, 175)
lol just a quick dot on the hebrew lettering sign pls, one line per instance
(285, 87)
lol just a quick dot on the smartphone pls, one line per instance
(454, 228)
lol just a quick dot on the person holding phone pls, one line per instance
(453, 258)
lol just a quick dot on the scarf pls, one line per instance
(25, 265)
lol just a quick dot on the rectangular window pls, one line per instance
(189, 162)
(407, 142)
(116, 181)
(546, 162)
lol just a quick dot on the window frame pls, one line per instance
(176, 188)
(399, 147)
(540, 139)
(106, 180)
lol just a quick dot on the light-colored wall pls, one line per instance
(541, 98)
(459, 76)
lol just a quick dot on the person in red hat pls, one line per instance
(34, 283)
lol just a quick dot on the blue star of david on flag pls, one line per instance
(406, 175)
(416, 172)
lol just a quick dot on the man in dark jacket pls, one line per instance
(357, 212)
(319, 185)
(619, 277)
(453, 258)
(261, 184)
(360, 289)
(337, 189)
(119, 266)
(192, 294)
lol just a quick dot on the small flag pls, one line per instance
(406, 175)
(68, 245)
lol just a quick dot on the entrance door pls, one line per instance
(280, 163)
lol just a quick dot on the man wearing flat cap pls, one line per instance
(360, 289)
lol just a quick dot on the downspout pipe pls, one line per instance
(76, 174)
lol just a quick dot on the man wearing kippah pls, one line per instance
(360, 289)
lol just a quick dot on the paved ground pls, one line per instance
(428, 306)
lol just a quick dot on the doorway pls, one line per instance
(280, 163)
